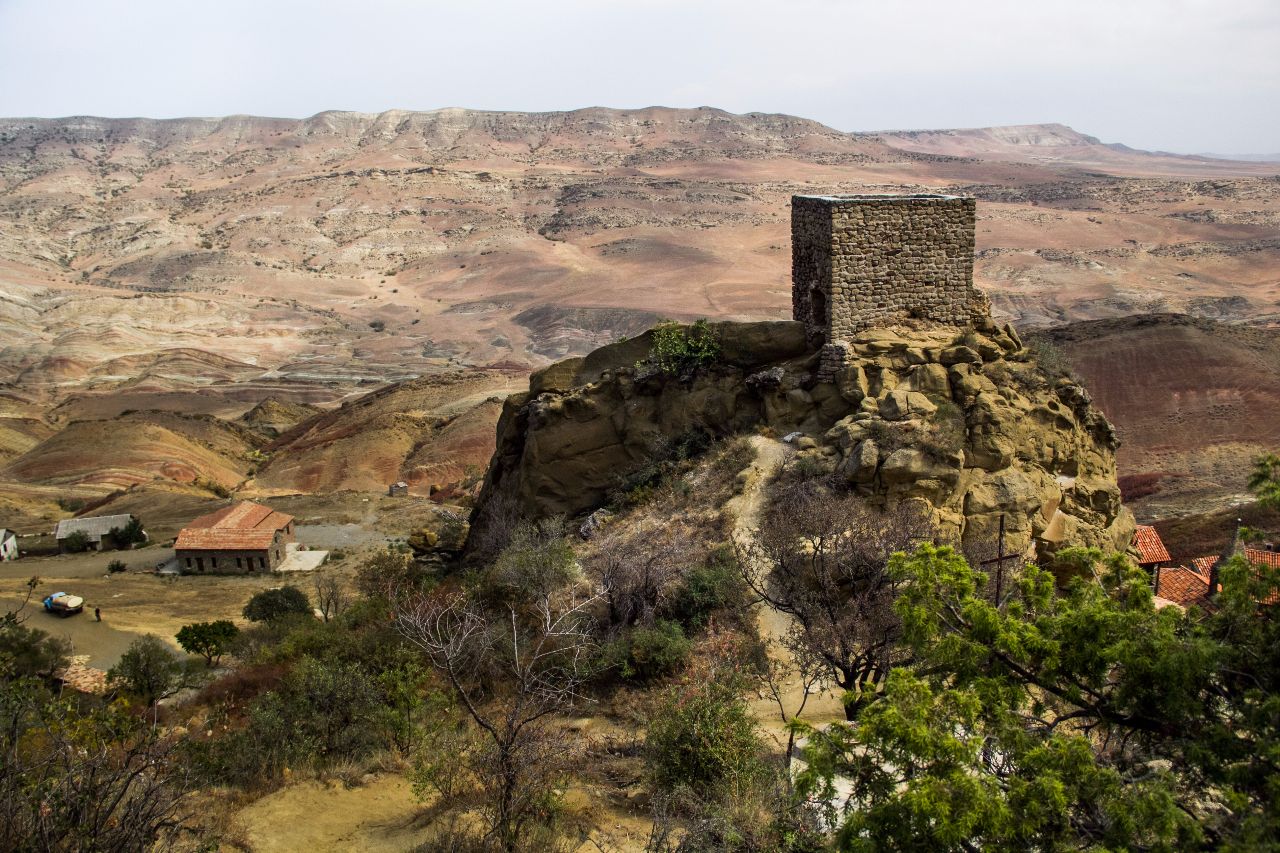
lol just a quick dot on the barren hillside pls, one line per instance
(247, 256)
(202, 266)
(1193, 400)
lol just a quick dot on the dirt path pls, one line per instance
(746, 509)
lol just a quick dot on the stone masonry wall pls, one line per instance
(224, 562)
(864, 261)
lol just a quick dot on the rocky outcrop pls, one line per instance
(963, 421)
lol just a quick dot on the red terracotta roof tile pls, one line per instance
(1203, 565)
(1150, 546)
(1261, 557)
(1183, 586)
(1203, 568)
(245, 526)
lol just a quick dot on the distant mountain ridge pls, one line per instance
(199, 266)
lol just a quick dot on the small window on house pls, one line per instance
(188, 562)
(238, 566)
(213, 562)
(199, 564)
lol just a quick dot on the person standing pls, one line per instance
(97, 614)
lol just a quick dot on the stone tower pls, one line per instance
(862, 261)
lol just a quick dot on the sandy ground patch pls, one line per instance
(379, 817)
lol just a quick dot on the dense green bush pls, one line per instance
(30, 652)
(76, 542)
(272, 605)
(148, 670)
(678, 351)
(702, 736)
(128, 536)
(714, 585)
(648, 652)
(323, 711)
(537, 560)
(390, 572)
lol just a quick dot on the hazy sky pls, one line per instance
(1179, 75)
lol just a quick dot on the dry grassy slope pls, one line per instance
(18, 435)
(429, 432)
(478, 238)
(273, 416)
(137, 448)
(1191, 398)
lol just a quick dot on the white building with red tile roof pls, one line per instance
(243, 537)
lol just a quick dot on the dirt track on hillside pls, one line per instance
(746, 508)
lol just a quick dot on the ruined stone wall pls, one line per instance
(860, 262)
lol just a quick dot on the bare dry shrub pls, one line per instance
(512, 670)
(822, 557)
(638, 565)
(331, 596)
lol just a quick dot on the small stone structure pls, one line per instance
(863, 261)
(398, 489)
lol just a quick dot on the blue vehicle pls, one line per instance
(64, 604)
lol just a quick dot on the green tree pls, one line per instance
(30, 652)
(129, 535)
(147, 670)
(210, 640)
(655, 650)
(1265, 480)
(76, 541)
(1082, 719)
(679, 350)
(273, 605)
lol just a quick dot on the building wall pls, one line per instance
(863, 261)
(106, 542)
(197, 562)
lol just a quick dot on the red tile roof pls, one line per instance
(1202, 567)
(245, 526)
(1150, 547)
(1183, 586)
(1260, 557)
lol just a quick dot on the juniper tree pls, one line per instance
(1082, 719)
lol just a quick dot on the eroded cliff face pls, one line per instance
(963, 421)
